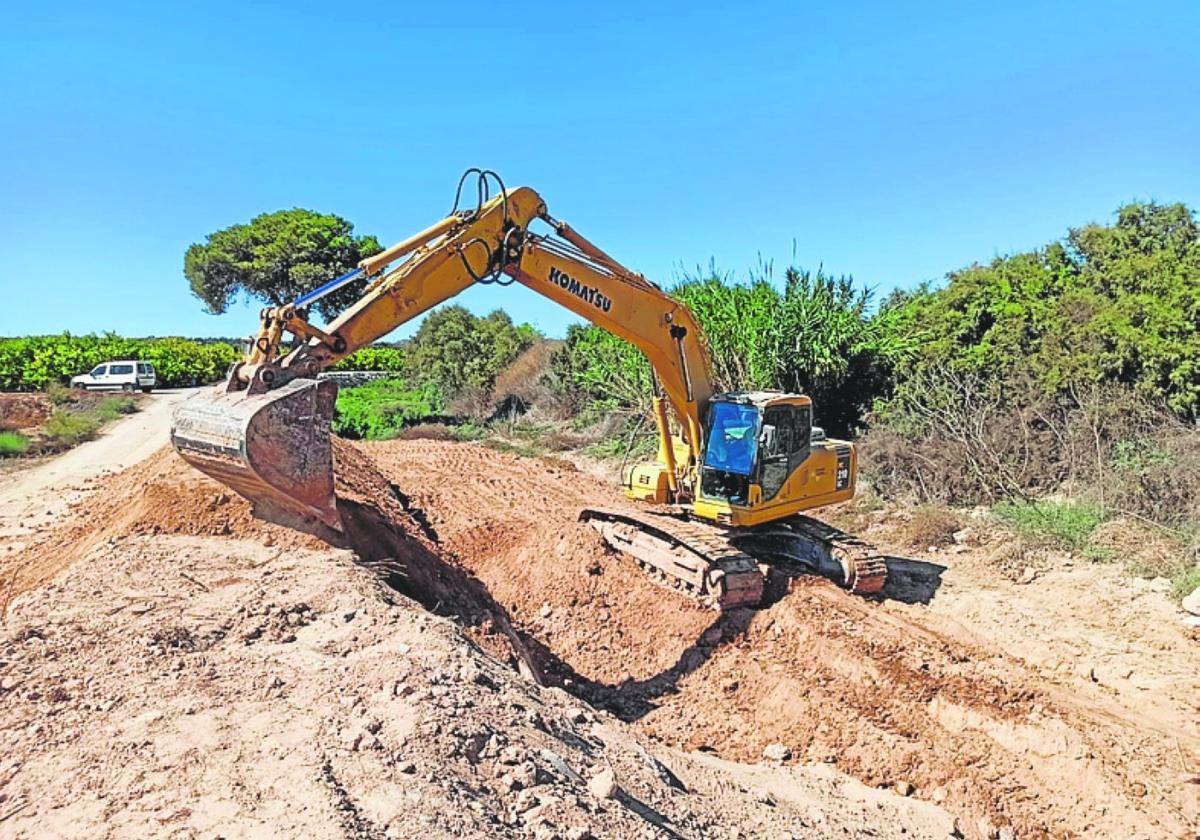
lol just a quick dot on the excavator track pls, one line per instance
(683, 554)
(721, 566)
(819, 548)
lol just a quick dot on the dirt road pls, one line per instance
(46, 490)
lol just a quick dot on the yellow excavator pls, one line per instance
(734, 471)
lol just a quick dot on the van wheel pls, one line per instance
(147, 390)
(127, 388)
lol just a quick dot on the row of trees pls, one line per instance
(1113, 303)
(33, 362)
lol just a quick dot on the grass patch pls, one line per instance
(113, 408)
(1100, 553)
(70, 427)
(1064, 524)
(382, 409)
(12, 443)
(1185, 581)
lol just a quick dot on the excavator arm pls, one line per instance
(265, 432)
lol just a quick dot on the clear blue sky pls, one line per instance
(891, 141)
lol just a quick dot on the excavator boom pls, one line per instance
(265, 432)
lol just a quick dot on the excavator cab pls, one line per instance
(761, 460)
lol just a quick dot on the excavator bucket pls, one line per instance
(273, 448)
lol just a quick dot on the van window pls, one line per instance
(117, 370)
(144, 367)
(99, 370)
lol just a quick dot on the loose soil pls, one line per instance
(947, 696)
(23, 411)
(1061, 708)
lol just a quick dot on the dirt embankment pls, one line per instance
(946, 699)
(893, 693)
(23, 411)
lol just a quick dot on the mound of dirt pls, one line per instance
(162, 495)
(176, 686)
(23, 411)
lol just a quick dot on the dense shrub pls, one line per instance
(380, 409)
(1110, 304)
(12, 443)
(454, 350)
(814, 334)
(37, 362)
(961, 439)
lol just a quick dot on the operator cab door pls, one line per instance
(786, 433)
(100, 376)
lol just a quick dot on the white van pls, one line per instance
(125, 376)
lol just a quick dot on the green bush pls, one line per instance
(455, 350)
(1111, 304)
(12, 443)
(380, 410)
(388, 359)
(112, 408)
(1065, 524)
(70, 428)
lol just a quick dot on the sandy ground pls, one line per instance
(30, 498)
(171, 666)
(192, 672)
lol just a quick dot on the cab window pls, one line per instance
(732, 436)
(785, 440)
(802, 434)
(100, 370)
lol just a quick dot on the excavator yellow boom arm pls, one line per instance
(265, 432)
(495, 240)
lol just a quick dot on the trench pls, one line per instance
(415, 565)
